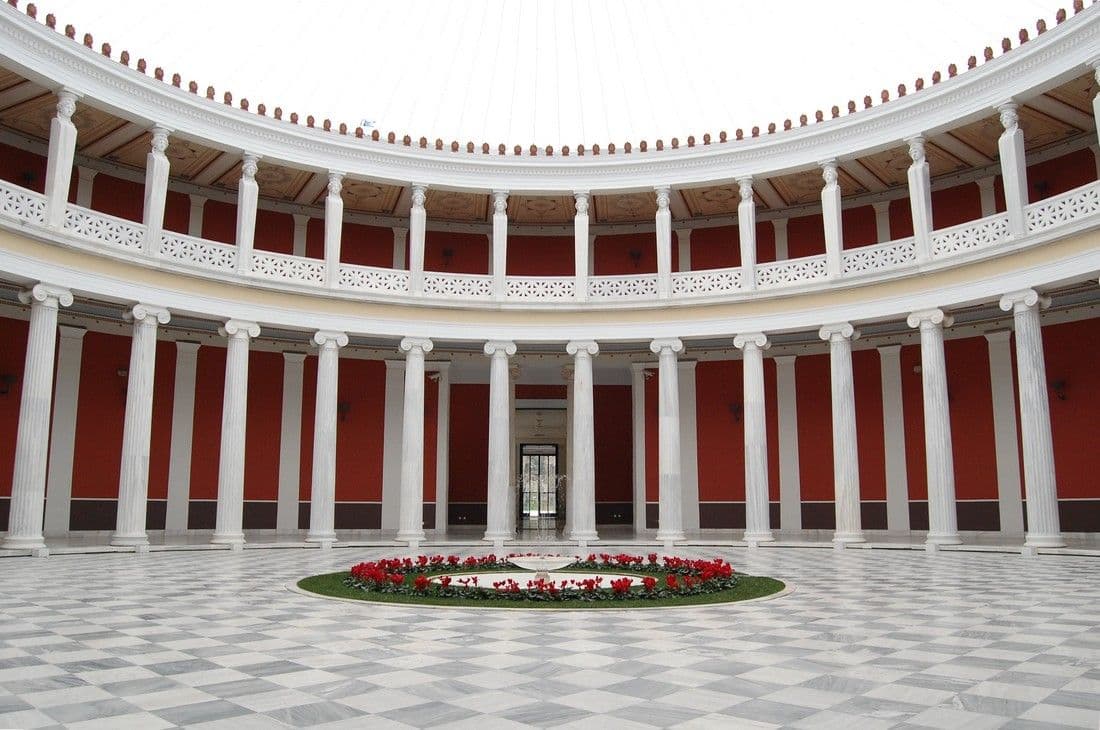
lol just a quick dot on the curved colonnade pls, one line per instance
(57, 250)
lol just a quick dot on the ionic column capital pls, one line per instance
(250, 163)
(576, 347)
(159, 143)
(751, 340)
(916, 148)
(837, 331)
(663, 194)
(1009, 112)
(47, 295)
(239, 329)
(419, 194)
(66, 103)
(505, 347)
(828, 171)
(329, 339)
(930, 318)
(421, 345)
(744, 187)
(148, 313)
(1019, 301)
(335, 182)
(666, 344)
(500, 202)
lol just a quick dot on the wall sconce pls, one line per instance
(123, 372)
(6, 381)
(1059, 388)
(448, 254)
(343, 408)
(635, 256)
(736, 411)
(28, 177)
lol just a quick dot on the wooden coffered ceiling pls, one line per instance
(1061, 114)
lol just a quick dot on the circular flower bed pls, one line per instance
(619, 580)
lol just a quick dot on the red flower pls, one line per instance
(621, 586)
(420, 583)
(649, 582)
(445, 581)
(422, 560)
(397, 579)
(670, 581)
(452, 559)
(653, 557)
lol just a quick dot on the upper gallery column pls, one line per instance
(1043, 526)
(670, 522)
(156, 188)
(830, 215)
(418, 222)
(1013, 167)
(497, 523)
(228, 526)
(59, 164)
(248, 196)
(757, 514)
(920, 198)
(28, 486)
(1096, 99)
(942, 520)
(322, 507)
(411, 520)
(500, 244)
(845, 449)
(582, 449)
(581, 245)
(334, 227)
(133, 484)
(664, 243)
(746, 231)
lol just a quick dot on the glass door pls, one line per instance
(539, 480)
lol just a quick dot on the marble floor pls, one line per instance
(868, 639)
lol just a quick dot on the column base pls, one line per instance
(845, 538)
(227, 538)
(943, 538)
(757, 536)
(670, 536)
(1044, 541)
(17, 542)
(129, 540)
(496, 536)
(321, 537)
(583, 537)
(412, 537)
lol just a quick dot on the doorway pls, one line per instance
(540, 502)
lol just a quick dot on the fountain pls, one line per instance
(542, 564)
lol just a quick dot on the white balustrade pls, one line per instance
(1065, 208)
(458, 286)
(18, 202)
(982, 233)
(541, 288)
(790, 272)
(634, 286)
(712, 282)
(880, 257)
(283, 267)
(104, 228)
(198, 251)
(374, 279)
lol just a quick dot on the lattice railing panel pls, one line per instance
(21, 203)
(790, 272)
(198, 251)
(638, 286)
(370, 278)
(1065, 208)
(104, 228)
(981, 233)
(458, 286)
(714, 282)
(282, 267)
(880, 257)
(540, 288)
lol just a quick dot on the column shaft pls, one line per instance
(195, 216)
(670, 521)
(637, 399)
(582, 245)
(790, 482)
(443, 449)
(85, 183)
(290, 443)
(411, 515)
(59, 163)
(683, 242)
(228, 528)
(882, 220)
(133, 484)
(831, 215)
(582, 518)
(746, 231)
(301, 231)
(757, 508)
(1013, 168)
(322, 508)
(663, 221)
(248, 193)
(893, 429)
(418, 222)
(59, 477)
(500, 245)
(845, 450)
(780, 227)
(334, 227)
(399, 236)
(497, 528)
(183, 424)
(156, 189)
(1005, 436)
(920, 198)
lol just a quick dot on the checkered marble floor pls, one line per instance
(869, 639)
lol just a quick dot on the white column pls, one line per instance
(59, 477)
(290, 443)
(830, 214)
(746, 231)
(156, 189)
(322, 507)
(986, 195)
(567, 458)
(1095, 148)
(411, 519)
(418, 222)
(391, 447)
(637, 398)
(183, 424)
(194, 218)
(942, 520)
(443, 449)
(582, 259)
(920, 198)
(670, 522)
(248, 193)
(513, 445)
(334, 227)
(1043, 528)
(1095, 63)
(228, 527)
(582, 517)
(399, 236)
(85, 181)
(845, 449)
(497, 528)
(500, 244)
(893, 429)
(790, 482)
(28, 486)
(59, 163)
(1009, 502)
(1013, 167)
(591, 254)
(757, 515)
(301, 228)
(689, 447)
(780, 226)
(663, 223)
(133, 483)
(882, 220)
(683, 242)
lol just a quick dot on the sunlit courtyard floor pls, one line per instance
(869, 638)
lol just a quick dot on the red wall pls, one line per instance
(1053, 177)
(956, 205)
(613, 406)
(219, 221)
(469, 252)
(714, 248)
(13, 352)
(100, 409)
(469, 455)
(117, 197)
(859, 226)
(177, 212)
(274, 231)
(23, 168)
(613, 254)
(805, 236)
(540, 256)
(815, 427)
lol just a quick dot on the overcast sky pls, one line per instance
(553, 71)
